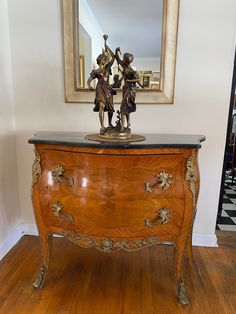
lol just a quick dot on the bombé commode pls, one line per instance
(116, 196)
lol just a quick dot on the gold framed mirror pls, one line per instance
(158, 81)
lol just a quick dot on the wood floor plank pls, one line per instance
(86, 281)
(20, 278)
(131, 287)
(77, 277)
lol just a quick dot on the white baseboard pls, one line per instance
(31, 229)
(12, 239)
(209, 240)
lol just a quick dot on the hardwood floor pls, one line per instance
(86, 281)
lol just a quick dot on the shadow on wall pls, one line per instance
(9, 194)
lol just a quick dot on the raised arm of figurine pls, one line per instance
(108, 49)
(110, 55)
(117, 56)
(111, 58)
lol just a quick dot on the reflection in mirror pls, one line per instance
(133, 26)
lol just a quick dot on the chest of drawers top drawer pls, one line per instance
(125, 177)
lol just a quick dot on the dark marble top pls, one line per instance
(151, 141)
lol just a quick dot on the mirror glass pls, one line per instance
(134, 26)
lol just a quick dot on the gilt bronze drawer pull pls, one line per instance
(163, 216)
(57, 210)
(58, 175)
(164, 180)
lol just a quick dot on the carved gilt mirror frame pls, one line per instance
(75, 93)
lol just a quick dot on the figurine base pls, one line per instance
(122, 138)
(115, 132)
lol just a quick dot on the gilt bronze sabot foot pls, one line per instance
(182, 294)
(38, 283)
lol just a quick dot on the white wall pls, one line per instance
(206, 43)
(9, 201)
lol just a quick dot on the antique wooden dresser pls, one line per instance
(116, 196)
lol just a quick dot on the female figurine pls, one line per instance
(131, 77)
(104, 92)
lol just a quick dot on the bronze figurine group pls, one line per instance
(105, 92)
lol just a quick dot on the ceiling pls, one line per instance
(133, 25)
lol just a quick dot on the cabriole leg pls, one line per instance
(46, 245)
(179, 276)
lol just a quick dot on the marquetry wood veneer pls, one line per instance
(114, 197)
